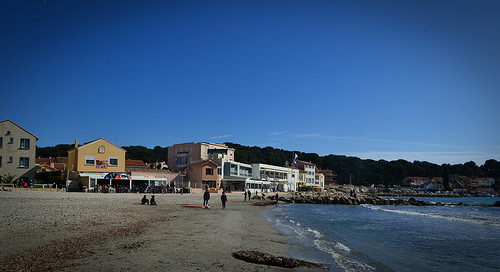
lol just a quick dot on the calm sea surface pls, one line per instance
(394, 238)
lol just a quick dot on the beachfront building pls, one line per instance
(201, 175)
(180, 155)
(97, 164)
(259, 177)
(330, 176)
(273, 178)
(236, 175)
(17, 152)
(310, 172)
(100, 166)
(145, 180)
(319, 181)
(302, 179)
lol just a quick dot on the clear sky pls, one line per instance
(413, 80)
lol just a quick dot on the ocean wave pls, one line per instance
(347, 263)
(316, 233)
(481, 221)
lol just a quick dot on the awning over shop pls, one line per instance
(148, 178)
(117, 176)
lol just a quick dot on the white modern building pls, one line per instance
(276, 178)
(236, 175)
(259, 177)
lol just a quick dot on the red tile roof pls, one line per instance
(135, 163)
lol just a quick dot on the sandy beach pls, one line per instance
(59, 231)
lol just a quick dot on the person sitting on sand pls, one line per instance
(144, 200)
(153, 201)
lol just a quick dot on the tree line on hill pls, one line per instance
(134, 152)
(348, 169)
(365, 171)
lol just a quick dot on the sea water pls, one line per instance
(393, 238)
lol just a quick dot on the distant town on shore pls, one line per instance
(102, 166)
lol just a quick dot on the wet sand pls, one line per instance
(59, 231)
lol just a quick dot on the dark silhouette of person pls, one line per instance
(277, 198)
(245, 195)
(144, 201)
(153, 201)
(249, 195)
(223, 198)
(206, 197)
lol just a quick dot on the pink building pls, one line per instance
(180, 155)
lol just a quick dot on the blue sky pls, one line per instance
(413, 80)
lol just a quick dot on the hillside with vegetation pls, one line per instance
(134, 152)
(366, 171)
(358, 171)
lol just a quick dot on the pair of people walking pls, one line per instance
(206, 198)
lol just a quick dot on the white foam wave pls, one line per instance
(316, 233)
(347, 263)
(438, 216)
(304, 231)
(342, 247)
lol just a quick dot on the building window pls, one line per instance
(1, 141)
(181, 160)
(0, 161)
(113, 161)
(11, 159)
(101, 149)
(90, 160)
(209, 171)
(11, 141)
(25, 144)
(234, 170)
(24, 162)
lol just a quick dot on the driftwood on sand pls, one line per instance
(268, 259)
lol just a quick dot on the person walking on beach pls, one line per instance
(249, 195)
(276, 197)
(206, 197)
(245, 195)
(223, 199)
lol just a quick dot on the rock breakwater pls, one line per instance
(337, 198)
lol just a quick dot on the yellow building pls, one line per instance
(302, 178)
(319, 182)
(97, 163)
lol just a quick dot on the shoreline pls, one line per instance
(113, 232)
